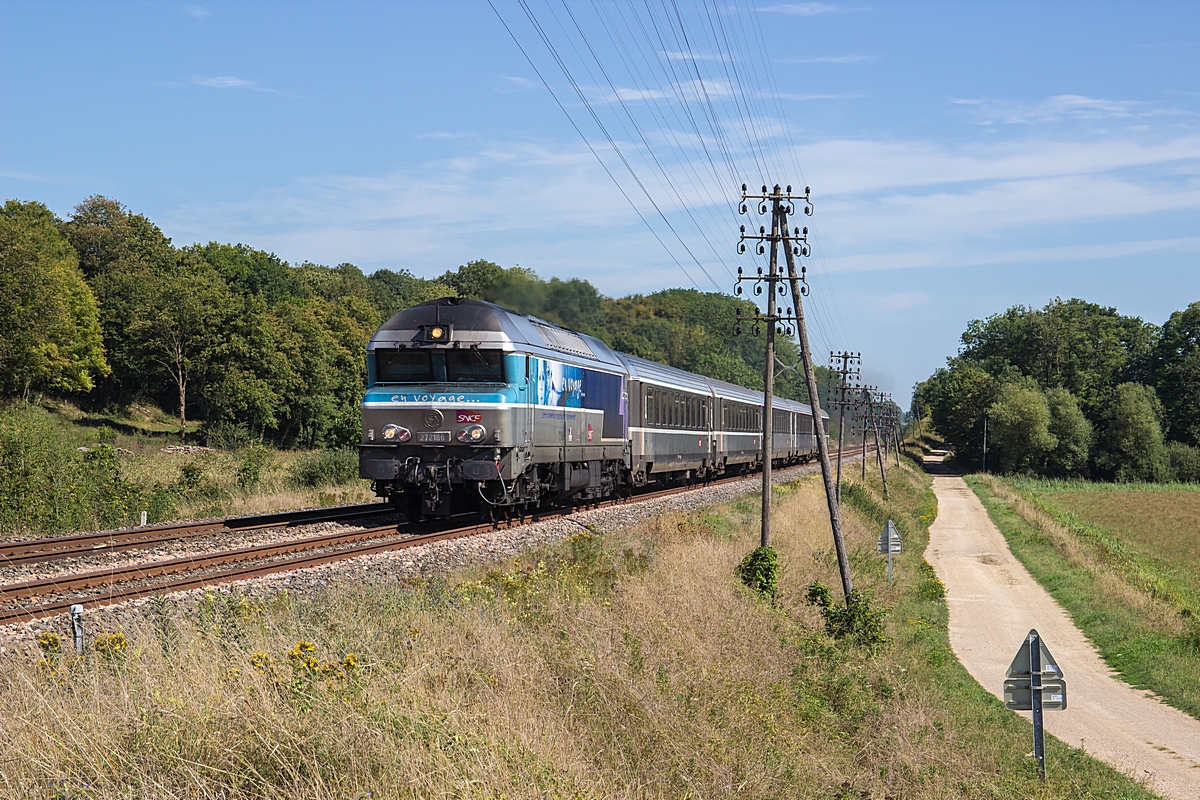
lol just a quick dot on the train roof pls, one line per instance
(487, 324)
(642, 369)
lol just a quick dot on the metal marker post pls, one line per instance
(77, 627)
(1035, 686)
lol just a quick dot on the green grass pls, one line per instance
(1134, 608)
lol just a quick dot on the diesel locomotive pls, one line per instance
(470, 406)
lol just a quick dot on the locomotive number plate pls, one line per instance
(436, 437)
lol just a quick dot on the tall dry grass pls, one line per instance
(627, 666)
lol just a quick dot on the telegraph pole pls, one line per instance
(851, 367)
(772, 319)
(878, 449)
(781, 204)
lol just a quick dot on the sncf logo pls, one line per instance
(469, 417)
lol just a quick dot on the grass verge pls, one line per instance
(629, 665)
(1138, 611)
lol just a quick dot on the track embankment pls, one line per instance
(993, 603)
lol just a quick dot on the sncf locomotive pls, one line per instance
(471, 406)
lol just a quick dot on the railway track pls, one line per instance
(31, 551)
(43, 597)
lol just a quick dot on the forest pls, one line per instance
(104, 310)
(1073, 389)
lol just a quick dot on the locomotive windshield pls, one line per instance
(440, 366)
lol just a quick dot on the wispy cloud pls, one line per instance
(804, 97)
(1058, 108)
(673, 55)
(229, 82)
(804, 9)
(514, 83)
(195, 12)
(846, 59)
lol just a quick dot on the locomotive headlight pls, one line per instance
(472, 434)
(395, 433)
(437, 333)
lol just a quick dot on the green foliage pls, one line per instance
(759, 570)
(1072, 433)
(47, 485)
(1184, 461)
(1130, 445)
(1020, 427)
(856, 620)
(1086, 359)
(1079, 346)
(323, 468)
(957, 397)
(1176, 374)
(49, 328)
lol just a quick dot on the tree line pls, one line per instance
(1073, 389)
(104, 309)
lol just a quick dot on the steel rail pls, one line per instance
(53, 548)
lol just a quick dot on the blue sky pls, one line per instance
(963, 157)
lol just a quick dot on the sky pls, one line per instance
(962, 157)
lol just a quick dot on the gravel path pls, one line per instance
(438, 557)
(994, 602)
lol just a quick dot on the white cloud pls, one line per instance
(846, 59)
(672, 55)
(514, 83)
(195, 12)
(1058, 108)
(229, 82)
(802, 9)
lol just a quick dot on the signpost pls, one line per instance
(1035, 682)
(889, 542)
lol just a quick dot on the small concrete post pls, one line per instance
(77, 626)
(143, 519)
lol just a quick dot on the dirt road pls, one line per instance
(994, 602)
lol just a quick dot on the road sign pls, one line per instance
(1035, 682)
(889, 540)
(1018, 695)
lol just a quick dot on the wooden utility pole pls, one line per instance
(781, 204)
(878, 449)
(772, 319)
(851, 364)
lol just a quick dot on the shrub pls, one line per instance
(856, 621)
(759, 570)
(1185, 461)
(322, 468)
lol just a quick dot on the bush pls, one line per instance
(1073, 432)
(1130, 444)
(1020, 427)
(856, 620)
(1185, 461)
(322, 468)
(759, 570)
(48, 486)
